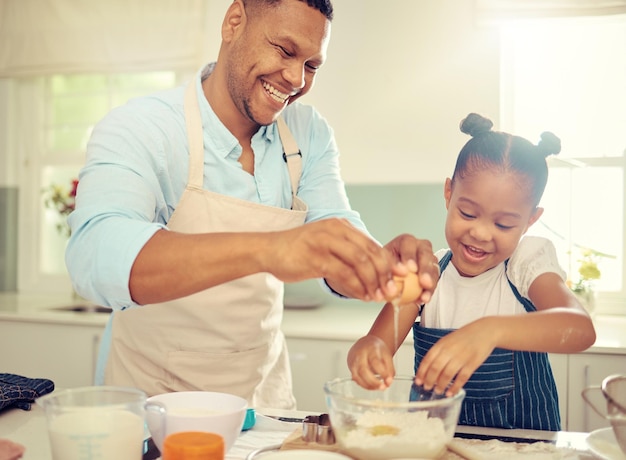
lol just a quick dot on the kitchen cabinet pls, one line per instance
(586, 369)
(63, 353)
(560, 370)
(315, 361)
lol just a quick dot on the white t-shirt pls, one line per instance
(460, 300)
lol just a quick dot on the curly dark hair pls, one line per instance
(489, 149)
(323, 6)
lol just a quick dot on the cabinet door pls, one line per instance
(65, 354)
(315, 361)
(559, 364)
(587, 369)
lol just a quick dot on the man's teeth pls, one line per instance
(280, 97)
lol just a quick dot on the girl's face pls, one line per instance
(488, 212)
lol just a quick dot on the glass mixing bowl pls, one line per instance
(381, 425)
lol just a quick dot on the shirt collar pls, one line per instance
(221, 138)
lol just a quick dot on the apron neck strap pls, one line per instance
(291, 154)
(193, 121)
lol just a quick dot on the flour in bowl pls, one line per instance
(380, 435)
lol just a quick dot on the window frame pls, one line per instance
(614, 302)
(607, 303)
(28, 144)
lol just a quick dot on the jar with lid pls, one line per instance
(193, 445)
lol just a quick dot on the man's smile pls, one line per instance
(275, 94)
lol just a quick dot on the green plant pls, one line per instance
(63, 200)
(588, 271)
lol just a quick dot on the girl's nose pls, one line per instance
(480, 232)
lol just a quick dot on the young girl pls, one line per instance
(501, 303)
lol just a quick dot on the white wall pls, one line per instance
(7, 162)
(400, 76)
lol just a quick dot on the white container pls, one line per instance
(211, 412)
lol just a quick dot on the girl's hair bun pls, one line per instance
(475, 125)
(549, 144)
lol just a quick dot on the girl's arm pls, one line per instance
(560, 325)
(370, 359)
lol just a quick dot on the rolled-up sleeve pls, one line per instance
(533, 256)
(122, 200)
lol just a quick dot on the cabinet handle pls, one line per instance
(338, 364)
(585, 408)
(95, 349)
(297, 357)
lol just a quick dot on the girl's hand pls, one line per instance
(371, 363)
(455, 357)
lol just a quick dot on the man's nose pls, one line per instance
(294, 74)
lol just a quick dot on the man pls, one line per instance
(196, 204)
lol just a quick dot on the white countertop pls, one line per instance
(340, 320)
(349, 320)
(29, 429)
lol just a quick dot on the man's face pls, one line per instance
(274, 57)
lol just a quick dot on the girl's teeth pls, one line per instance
(478, 251)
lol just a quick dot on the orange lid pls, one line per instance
(193, 445)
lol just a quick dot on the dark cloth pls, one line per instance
(20, 392)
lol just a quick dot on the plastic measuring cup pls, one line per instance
(97, 423)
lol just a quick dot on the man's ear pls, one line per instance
(233, 20)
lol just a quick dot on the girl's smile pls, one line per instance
(488, 213)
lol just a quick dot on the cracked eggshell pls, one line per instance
(409, 286)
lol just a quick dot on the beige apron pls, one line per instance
(226, 338)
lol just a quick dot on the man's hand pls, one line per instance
(351, 262)
(413, 254)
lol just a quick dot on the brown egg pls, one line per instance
(409, 287)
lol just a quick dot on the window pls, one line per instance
(62, 112)
(567, 76)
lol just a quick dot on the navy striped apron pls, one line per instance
(511, 389)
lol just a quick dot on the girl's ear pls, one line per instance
(447, 191)
(534, 217)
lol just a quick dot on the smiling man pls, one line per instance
(197, 203)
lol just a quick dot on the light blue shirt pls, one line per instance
(137, 169)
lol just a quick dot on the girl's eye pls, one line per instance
(504, 227)
(466, 215)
